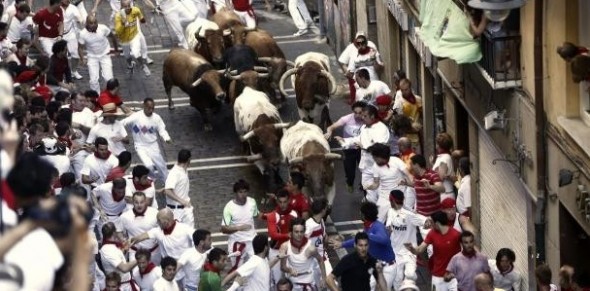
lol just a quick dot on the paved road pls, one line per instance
(218, 160)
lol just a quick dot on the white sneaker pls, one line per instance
(149, 61)
(131, 68)
(301, 32)
(77, 75)
(321, 40)
(146, 70)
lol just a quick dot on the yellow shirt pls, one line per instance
(128, 27)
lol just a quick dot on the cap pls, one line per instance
(409, 285)
(448, 203)
(396, 196)
(360, 33)
(383, 100)
(110, 109)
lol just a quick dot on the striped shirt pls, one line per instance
(427, 200)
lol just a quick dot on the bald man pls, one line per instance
(174, 238)
(94, 39)
(484, 282)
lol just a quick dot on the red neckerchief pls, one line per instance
(139, 213)
(364, 51)
(140, 187)
(298, 245)
(469, 254)
(169, 229)
(66, 140)
(22, 59)
(411, 98)
(367, 224)
(208, 267)
(147, 269)
(285, 212)
(117, 199)
(105, 158)
(75, 110)
(582, 50)
(119, 245)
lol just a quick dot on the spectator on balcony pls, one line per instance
(579, 59)
(350, 51)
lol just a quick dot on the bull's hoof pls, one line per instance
(171, 106)
(208, 127)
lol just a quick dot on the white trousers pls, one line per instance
(151, 157)
(389, 273)
(82, 11)
(72, 39)
(406, 269)
(176, 15)
(201, 8)
(77, 161)
(275, 272)
(439, 284)
(136, 48)
(367, 179)
(317, 272)
(185, 215)
(383, 205)
(248, 20)
(96, 65)
(300, 14)
(47, 44)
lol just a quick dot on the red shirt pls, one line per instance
(48, 22)
(116, 172)
(444, 247)
(299, 203)
(427, 200)
(106, 97)
(278, 230)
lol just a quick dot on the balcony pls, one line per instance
(500, 64)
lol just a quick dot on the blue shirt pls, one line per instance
(379, 242)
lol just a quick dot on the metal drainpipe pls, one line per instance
(540, 213)
(439, 107)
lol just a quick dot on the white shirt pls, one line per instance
(104, 194)
(508, 281)
(448, 161)
(390, 176)
(366, 61)
(38, 257)
(240, 214)
(178, 181)
(175, 243)
(402, 224)
(257, 271)
(464, 194)
(351, 51)
(150, 192)
(376, 133)
(316, 232)
(192, 262)
(164, 285)
(19, 28)
(145, 129)
(111, 257)
(60, 162)
(375, 89)
(146, 282)
(96, 43)
(95, 167)
(72, 18)
(109, 131)
(136, 225)
(84, 117)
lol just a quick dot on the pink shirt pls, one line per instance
(351, 127)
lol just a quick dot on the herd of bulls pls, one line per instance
(244, 67)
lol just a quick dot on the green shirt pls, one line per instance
(210, 281)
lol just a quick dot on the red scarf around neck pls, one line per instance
(112, 242)
(209, 267)
(139, 187)
(365, 50)
(284, 212)
(298, 245)
(147, 269)
(101, 158)
(169, 229)
(66, 140)
(367, 224)
(411, 98)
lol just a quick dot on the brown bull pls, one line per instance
(196, 77)
(211, 46)
(248, 78)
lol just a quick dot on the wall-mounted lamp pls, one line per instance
(567, 176)
(496, 10)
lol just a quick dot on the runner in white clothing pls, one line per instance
(368, 90)
(315, 231)
(178, 14)
(238, 223)
(298, 263)
(177, 189)
(146, 272)
(113, 259)
(402, 223)
(97, 166)
(111, 129)
(145, 127)
(138, 220)
(72, 20)
(139, 181)
(443, 164)
(95, 39)
(108, 200)
(169, 270)
(192, 260)
(388, 173)
(83, 119)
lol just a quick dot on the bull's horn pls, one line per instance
(235, 77)
(283, 78)
(233, 72)
(333, 83)
(265, 59)
(290, 64)
(198, 31)
(248, 29)
(247, 136)
(296, 160)
(226, 32)
(263, 75)
(260, 69)
(332, 156)
(221, 71)
(321, 98)
(281, 125)
(253, 158)
(197, 82)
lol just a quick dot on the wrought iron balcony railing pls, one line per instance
(501, 59)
